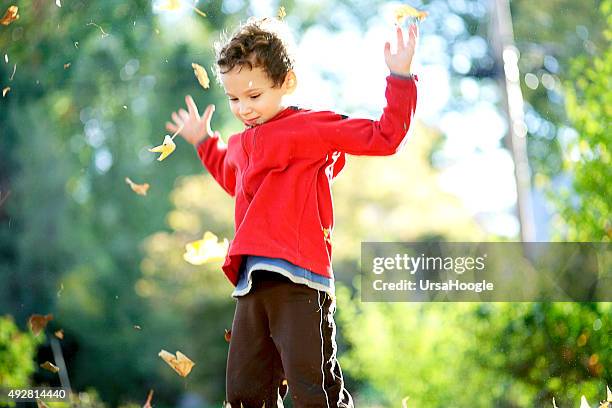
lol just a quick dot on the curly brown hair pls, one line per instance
(257, 43)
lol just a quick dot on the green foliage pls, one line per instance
(17, 352)
(585, 210)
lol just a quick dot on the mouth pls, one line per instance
(251, 122)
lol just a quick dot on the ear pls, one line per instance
(290, 82)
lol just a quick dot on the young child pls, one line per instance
(279, 170)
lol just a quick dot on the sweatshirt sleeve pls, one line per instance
(213, 154)
(373, 137)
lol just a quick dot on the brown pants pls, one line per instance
(283, 335)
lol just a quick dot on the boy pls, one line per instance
(279, 169)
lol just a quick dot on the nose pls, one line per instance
(245, 108)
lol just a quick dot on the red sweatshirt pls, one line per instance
(280, 174)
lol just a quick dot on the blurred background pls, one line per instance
(511, 141)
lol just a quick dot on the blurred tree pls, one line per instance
(585, 209)
(17, 352)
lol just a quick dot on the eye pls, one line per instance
(255, 96)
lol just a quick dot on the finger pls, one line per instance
(208, 116)
(387, 50)
(400, 38)
(413, 34)
(192, 107)
(171, 127)
(184, 115)
(176, 119)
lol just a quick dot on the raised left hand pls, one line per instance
(400, 61)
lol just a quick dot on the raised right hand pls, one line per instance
(193, 127)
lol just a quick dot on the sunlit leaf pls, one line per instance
(67, 65)
(140, 189)
(201, 74)
(137, 327)
(281, 13)
(170, 5)
(228, 335)
(39, 322)
(207, 249)
(49, 367)
(405, 10)
(5, 91)
(10, 15)
(179, 363)
(147, 403)
(59, 334)
(166, 148)
(58, 3)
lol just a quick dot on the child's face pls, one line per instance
(252, 98)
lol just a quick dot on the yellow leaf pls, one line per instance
(5, 91)
(201, 74)
(50, 367)
(39, 322)
(170, 5)
(281, 13)
(166, 148)
(405, 10)
(207, 249)
(140, 189)
(10, 15)
(179, 363)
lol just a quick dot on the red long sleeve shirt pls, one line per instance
(280, 173)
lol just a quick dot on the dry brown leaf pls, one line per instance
(49, 367)
(228, 335)
(39, 322)
(41, 404)
(149, 398)
(10, 15)
(201, 74)
(140, 189)
(405, 10)
(179, 363)
(5, 91)
(59, 334)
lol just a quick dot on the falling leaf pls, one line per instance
(5, 91)
(59, 334)
(608, 402)
(149, 398)
(41, 404)
(6, 58)
(405, 10)
(584, 403)
(76, 44)
(67, 65)
(10, 15)
(179, 363)
(207, 249)
(405, 402)
(137, 327)
(201, 74)
(125, 107)
(49, 367)
(166, 148)
(228, 335)
(58, 3)
(170, 5)
(281, 13)
(554, 403)
(285, 383)
(140, 189)
(39, 322)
